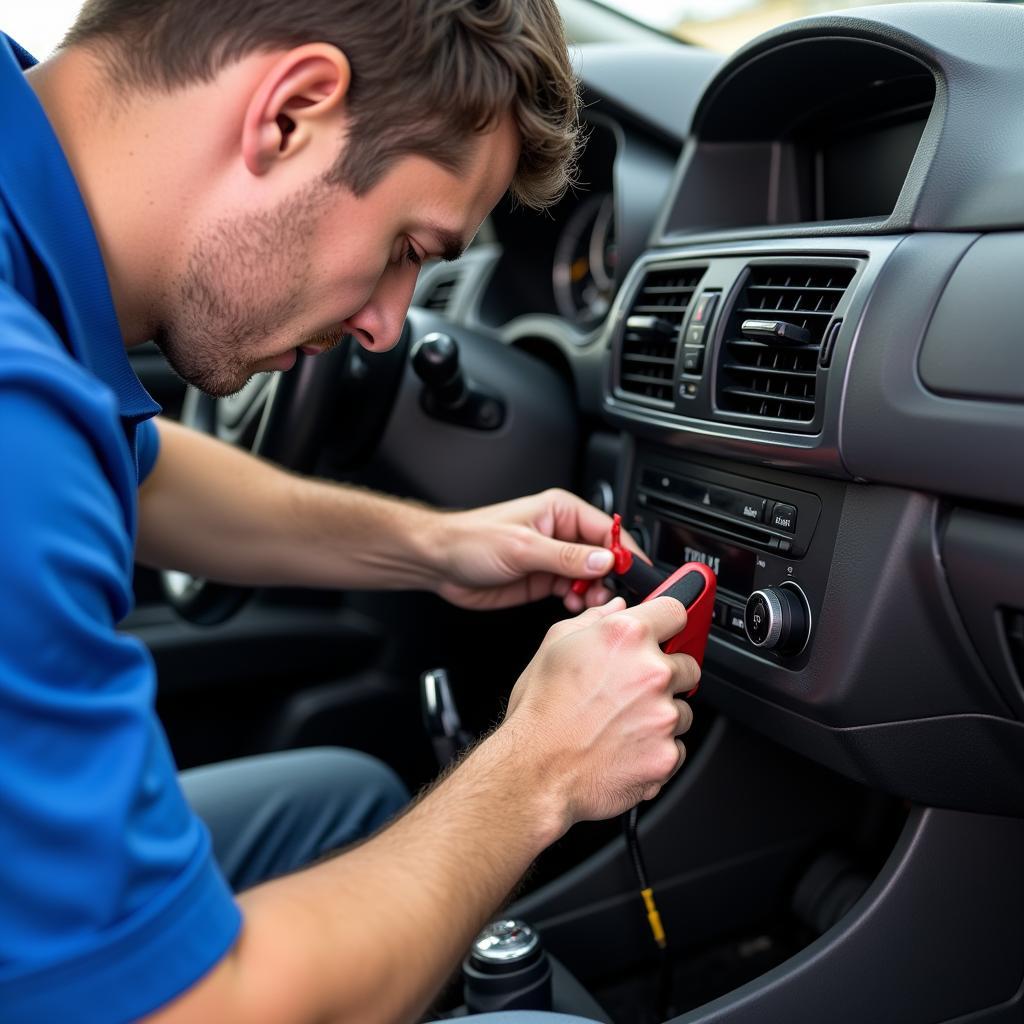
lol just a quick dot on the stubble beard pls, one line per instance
(241, 285)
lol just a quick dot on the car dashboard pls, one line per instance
(808, 377)
(790, 287)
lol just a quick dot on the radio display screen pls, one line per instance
(734, 566)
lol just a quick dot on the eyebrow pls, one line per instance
(451, 244)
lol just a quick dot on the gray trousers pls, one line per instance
(274, 814)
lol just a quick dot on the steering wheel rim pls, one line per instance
(287, 418)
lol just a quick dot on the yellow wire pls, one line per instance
(653, 917)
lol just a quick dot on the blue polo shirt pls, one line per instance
(110, 901)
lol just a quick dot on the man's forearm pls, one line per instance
(371, 935)
(591, 729)
(218, 512)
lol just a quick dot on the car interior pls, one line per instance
(778, 328)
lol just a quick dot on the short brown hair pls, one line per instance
(427, 75)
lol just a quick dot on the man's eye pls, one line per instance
(412, 257)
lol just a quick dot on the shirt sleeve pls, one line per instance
(147, 445)
(110, 901)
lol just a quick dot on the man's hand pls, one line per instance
(600, 705)
(523, 550)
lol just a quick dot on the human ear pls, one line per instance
(299, 96)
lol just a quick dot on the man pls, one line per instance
(238, 179)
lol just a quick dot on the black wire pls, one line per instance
(630, 819)
(629, 824)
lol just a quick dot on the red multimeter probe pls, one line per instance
(692, 584)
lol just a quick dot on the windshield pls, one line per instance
(724, 25)
(721, 25)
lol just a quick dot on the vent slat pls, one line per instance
(773, 379)
(663, 289)
(440, 296)
(796, 288)
(647, 356)
(800, 374)
(643, 378)
(652, 360)
(785, 312)
(760, 346)
(776, 396)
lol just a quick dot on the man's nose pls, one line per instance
(378, 325)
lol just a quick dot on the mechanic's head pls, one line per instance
(300, 158)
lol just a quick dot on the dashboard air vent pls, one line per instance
(769, 357)
(651, 338)
(440, 296)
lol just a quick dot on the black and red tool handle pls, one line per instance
(692, 584)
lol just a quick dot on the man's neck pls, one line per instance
(114, 148)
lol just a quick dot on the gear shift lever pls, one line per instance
(441, 716)
(447, 393)
(435, 358)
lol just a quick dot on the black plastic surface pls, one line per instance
(687, 589)
(984, 557)
(937, 936)
(964, 762)
(812, 130)
(656, 85)
(974, 347)
(722, 844)
(895, 430)
(453, 466)
(890, 681)
(967, 172)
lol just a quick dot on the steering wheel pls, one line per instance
(340, 399)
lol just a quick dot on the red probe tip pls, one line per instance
(623, 556)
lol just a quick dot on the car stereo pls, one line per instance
(733, 565)
(753, 534)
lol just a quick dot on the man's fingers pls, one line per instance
(681, 747)
(664, 615)
(591, 615)
(577, 519)
(597, 594)
(685, 673)
(576, 561)
(685, 718)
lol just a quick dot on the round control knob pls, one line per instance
(778, 619)
(435, 358)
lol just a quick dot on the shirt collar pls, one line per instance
(43, 198)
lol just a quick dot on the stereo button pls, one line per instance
(784, 517)
(734, 621)
(693, 359)
(705, 308)
(748, 507)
